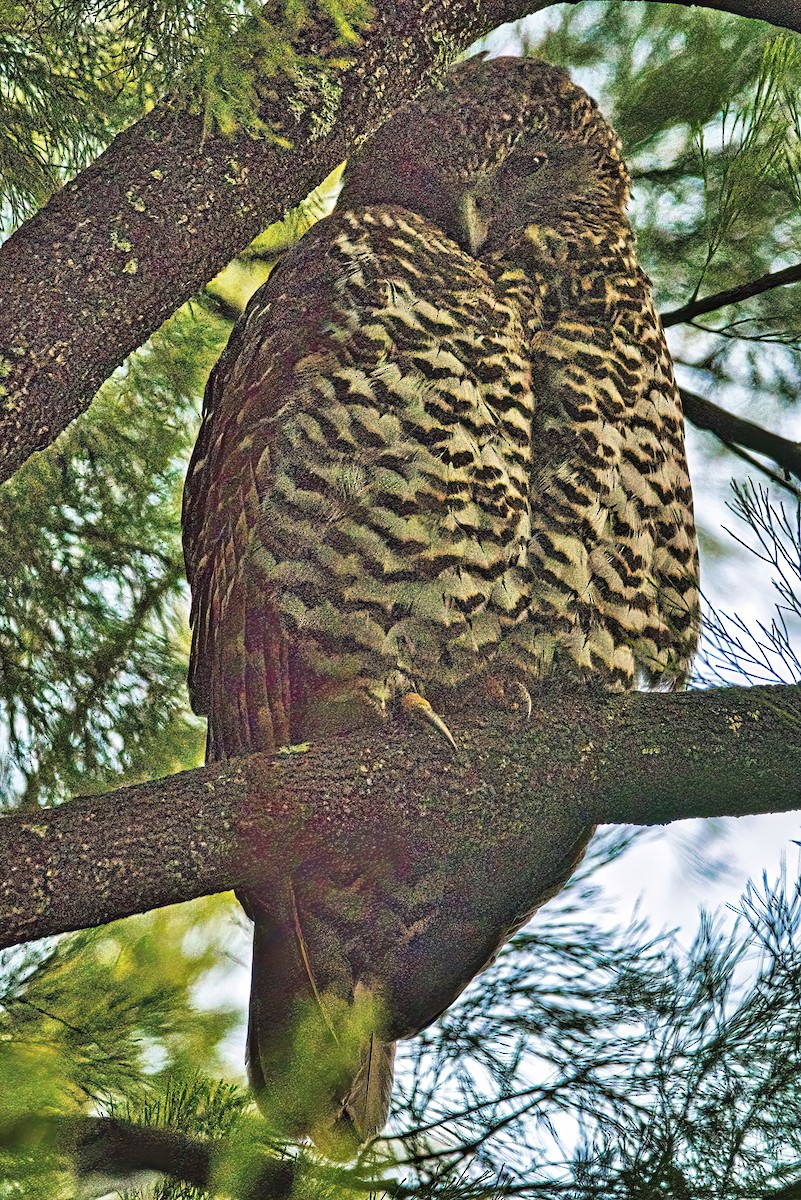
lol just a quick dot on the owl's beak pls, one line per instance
(472, 221)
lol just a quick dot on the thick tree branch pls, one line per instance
(120, 1148)
(497, 819)
(786, 13)
(100, 267)
(92, 275)
(243, 1166)
(737, 431)
(240, 1170)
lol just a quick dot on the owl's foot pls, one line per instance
(417, 708)
(511, 695)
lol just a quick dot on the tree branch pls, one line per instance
(221, 1166)
(101, 266)
(785, 13)
(738, 432)
(91, 276)
(118, 1149)
(734, 431)
(498, 821)
(744, 291)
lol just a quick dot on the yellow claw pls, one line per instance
(525, 696)
(418, 709)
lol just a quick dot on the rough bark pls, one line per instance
(93, 274)
(499, 814)
(100, 267)
(786, 13)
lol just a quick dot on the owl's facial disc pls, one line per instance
(547, 183)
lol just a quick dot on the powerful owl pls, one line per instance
(441, 461)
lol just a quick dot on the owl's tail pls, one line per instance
(362, 1113)
(315, 1061)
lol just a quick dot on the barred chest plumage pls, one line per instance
(612, 557)
(390, 510)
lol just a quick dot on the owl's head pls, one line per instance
(502, 145)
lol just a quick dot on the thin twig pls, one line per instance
(755, 287)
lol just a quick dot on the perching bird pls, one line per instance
(442, 456)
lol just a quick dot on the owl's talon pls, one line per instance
(418, 709)
(525, 696)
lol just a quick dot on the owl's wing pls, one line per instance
(293, 330)
(227, 476)
(358, 497)
(655, 439)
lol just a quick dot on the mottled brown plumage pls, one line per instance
(443, 451)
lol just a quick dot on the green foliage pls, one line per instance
(108, 1019)
(93, 650)
(600, 1062)
(758, 148)
(92, 664)
(72, 75)
(204, 1107)
(241, 51)
(764, 652)
(229, 93)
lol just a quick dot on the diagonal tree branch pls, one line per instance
(498, 821)
(744, 291)
(100, 267)
(119, 1149)
(222, 1166)
(243, 1166)
(785, 13)
(92, 275)
(737, 431)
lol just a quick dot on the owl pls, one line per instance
(441, 463)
